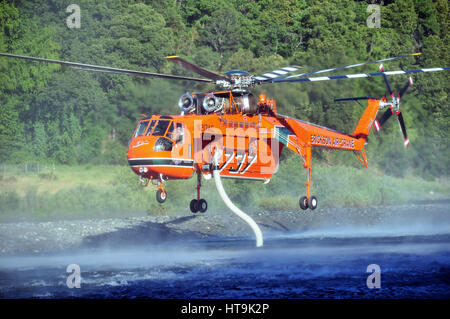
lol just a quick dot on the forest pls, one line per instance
(50, 113)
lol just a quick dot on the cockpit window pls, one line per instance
(169, 133)
(161, 128)
(163, 144)
(152, 124)
(179, 134)
(141, 128)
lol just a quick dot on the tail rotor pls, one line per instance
(393, 107)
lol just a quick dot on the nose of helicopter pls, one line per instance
(148, 159)
(139, 155)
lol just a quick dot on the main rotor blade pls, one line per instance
(197, 69)
(277, 73)
(91, 67)
(403, 128)
(358, 75)
(351, 66)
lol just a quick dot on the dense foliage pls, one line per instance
(69, 116)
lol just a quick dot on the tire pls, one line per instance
(161, 196)
(303, 203)
(194, 206)
(312, 202)
(202, 205)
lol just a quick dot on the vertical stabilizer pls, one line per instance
(367, 119)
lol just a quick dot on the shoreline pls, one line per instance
(36, 237)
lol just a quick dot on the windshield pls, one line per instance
(141, 128)
(170, 131)
(152, 124)
(161, 127)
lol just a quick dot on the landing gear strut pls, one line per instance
(308, 201)
(199, 204)
(161, 194)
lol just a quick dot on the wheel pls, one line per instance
(161, 196)
(312, 202)
(303, 203)
(194, 206)
(202, 205)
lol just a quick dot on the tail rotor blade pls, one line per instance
(386, 115)
(386, 80)
(405, 88)
(403, 128)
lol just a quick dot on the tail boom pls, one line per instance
(309, 135)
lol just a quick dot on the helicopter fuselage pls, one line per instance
(249, 145)
(174, 147)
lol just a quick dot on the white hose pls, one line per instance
(234, 209)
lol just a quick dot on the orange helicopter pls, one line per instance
(238, 135)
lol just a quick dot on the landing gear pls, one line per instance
(161, 195)
(312, 202)
(199, 204)
(194, 206)
(202, 205)
(308, 201)
(303, 203)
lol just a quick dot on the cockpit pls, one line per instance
(167, 131)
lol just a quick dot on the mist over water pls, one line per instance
(323, 260)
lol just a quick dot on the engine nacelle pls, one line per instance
(211, 103)
(187, 103)
(218, 102)
(248, 104)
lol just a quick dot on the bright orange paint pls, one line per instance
(250, 144)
